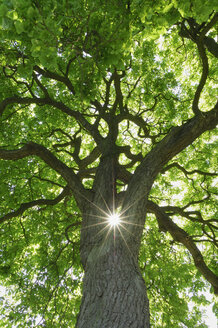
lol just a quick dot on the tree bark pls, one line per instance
(114, 292)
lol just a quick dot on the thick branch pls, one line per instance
(127, 151)
(41, 86)
(197, 35)
(107, 91)
(211, 46)
(94, 154)
(56, 77)
(178, 234)
(31, 148)
(119, 95)
(208, 26)
(178, 139)
(205, 71)
(56, 104)
(39, 202)
(194, 30)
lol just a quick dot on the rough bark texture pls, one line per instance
(114, 292)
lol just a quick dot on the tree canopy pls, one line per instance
(84, 79)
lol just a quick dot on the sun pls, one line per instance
(113, 219)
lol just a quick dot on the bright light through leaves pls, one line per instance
(114, 219)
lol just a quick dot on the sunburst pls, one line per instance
(113, 219)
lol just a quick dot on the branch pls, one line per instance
(205, 71)
(46, 180)
(67, 173)
(194, 216)
(56, 77)
(39, 202)
(177, 139)
(134, 87)
(94, 154)
(207, 27)
(198, 37)
(107, 91)
(56, 104)
(75, 224)
(211, 46)
(179, 235)
(123, 175)
(138, 120)
(127, 151)
(181, 168)
(41, 86)
(88, 173)
(192, 33)
(119, 95)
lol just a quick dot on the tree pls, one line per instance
(107, 108)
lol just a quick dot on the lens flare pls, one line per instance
(113, 219)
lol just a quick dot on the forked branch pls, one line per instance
(39, 202)
(15, 100)
(201, 31)
(181, 236)
(177, 139)
(181, 168)
(31, 148)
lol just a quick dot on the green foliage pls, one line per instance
(84, 43)
(172, 281)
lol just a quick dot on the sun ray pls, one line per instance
(93, 225)
(105, 202)
(122, 226)
(124, 241)
(105, 238)
(112, 220)
(102, 230)
(97, 216)
(131, 205)
(131, 223)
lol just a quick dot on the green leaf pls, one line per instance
(3, 10)
(96, 112)
(31, 12)
(19, 27)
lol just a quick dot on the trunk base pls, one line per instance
(114, 292)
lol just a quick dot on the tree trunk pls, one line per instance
(114, 292)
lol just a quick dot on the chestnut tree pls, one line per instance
(107, 108)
